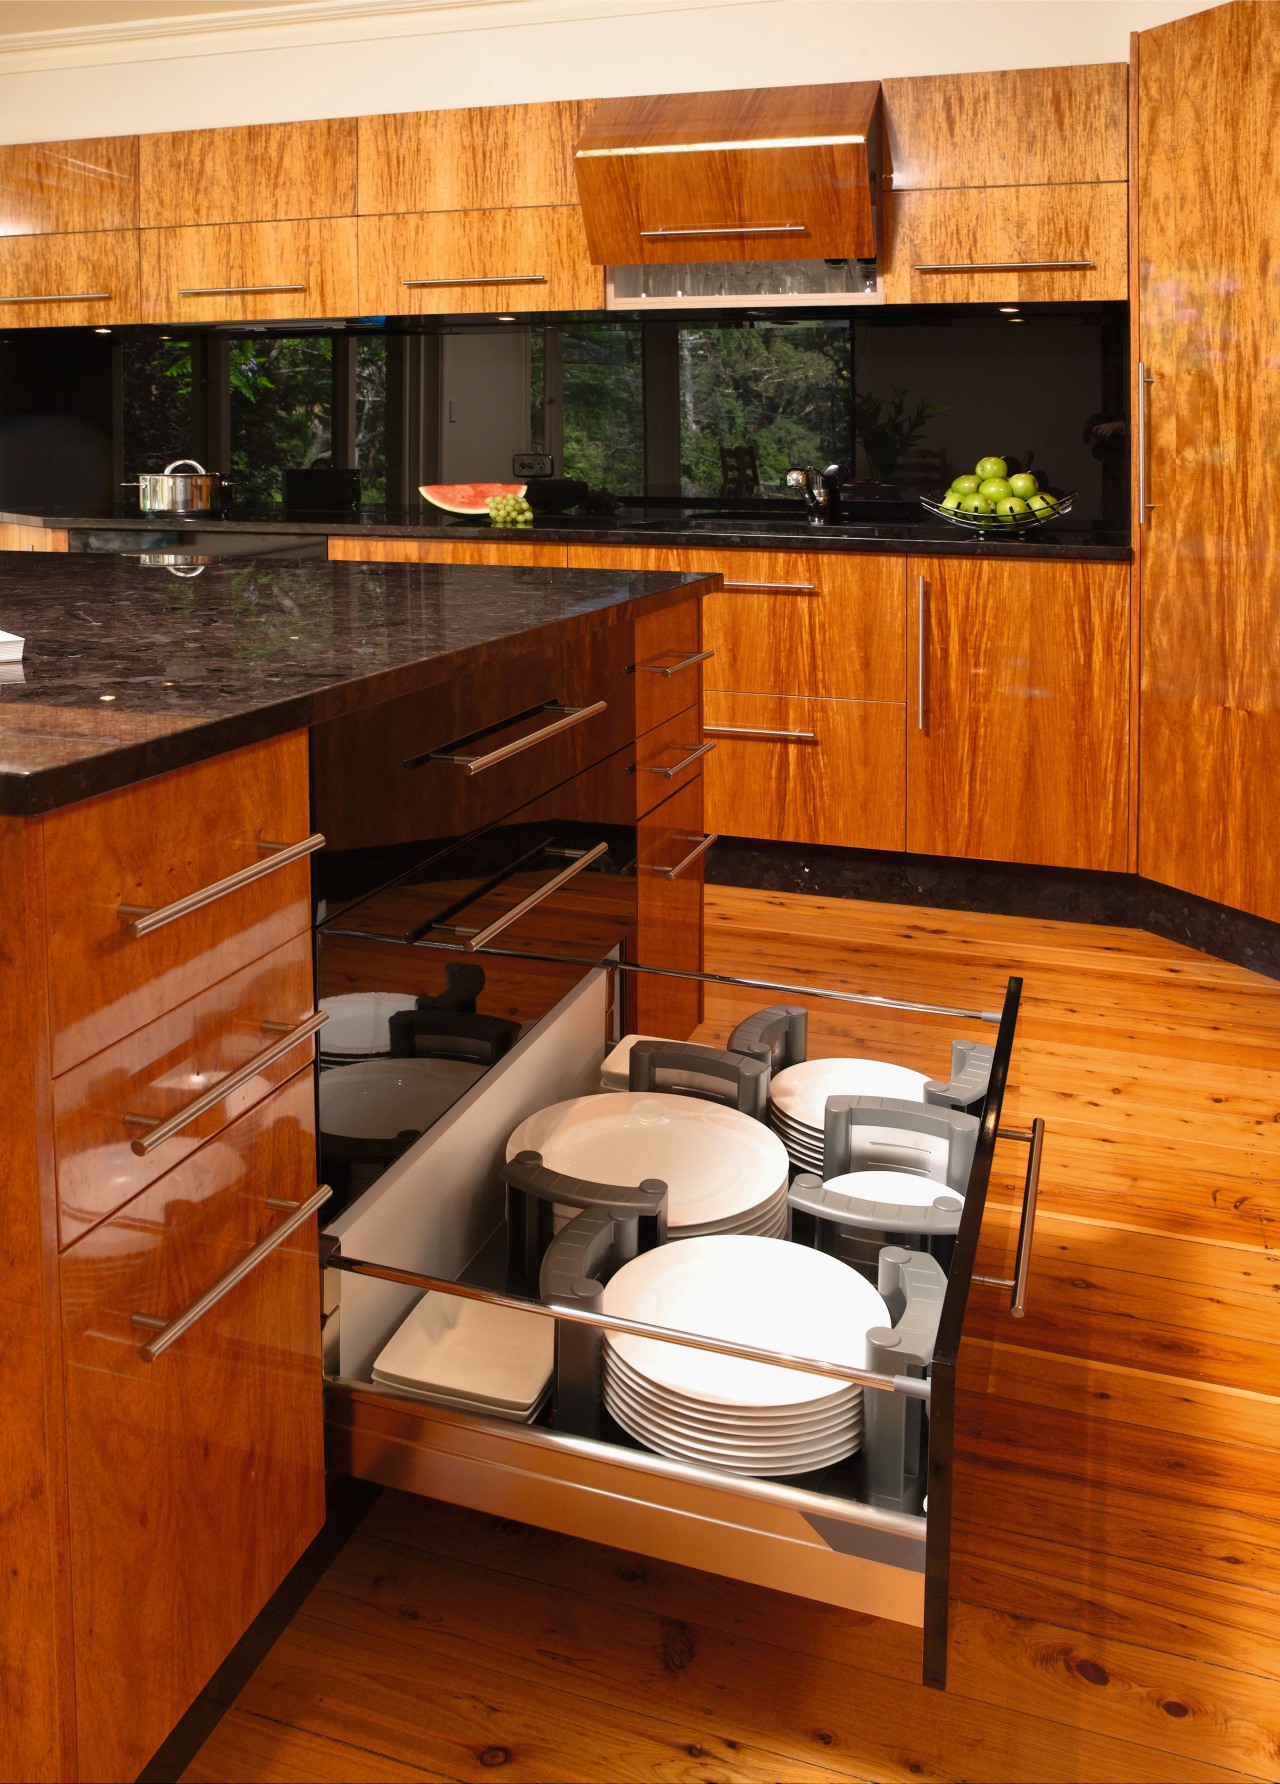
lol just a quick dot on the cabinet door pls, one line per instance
(1209, 319)
(61, 281)
(474, 158)
(1021, 127)
(1018, 725)
(361, 550)
(1007, 244)
(59, 188)
(195, 1481)
(250, 174)
(669, 882)
(464, 262)
(250, 272)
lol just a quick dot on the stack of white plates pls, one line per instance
(473, 1356)
(615, 1073)
(725, 1173)
(382, 1099)
(731, 1414)
(359, 1025)
(798, 1098)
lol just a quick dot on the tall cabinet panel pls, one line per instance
(1208, 176)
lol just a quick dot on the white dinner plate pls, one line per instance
(378, 1099)
(763, 1292)
(359, 1024)
(471, 1349)
(800, 1092)
(713, 1456)
(717, 1163)
(740, 1424)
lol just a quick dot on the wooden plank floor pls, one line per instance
(1117, 1553)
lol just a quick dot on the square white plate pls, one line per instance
(471, 1350)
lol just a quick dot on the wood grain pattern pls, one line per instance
(833, 630)
(1209, 311)
(1024, 751)
(159, 1069)
(61, 188)
(363, 550)
(665, 681)
(148, 845)
(250, 173)
(317, 256)
(669, 913)
(70, 268)
(472, 158)
(16, 537)
(539, 252)
(999, 224)
(197, 1480)
(1021, 127)
(842, 782)
(822, 186)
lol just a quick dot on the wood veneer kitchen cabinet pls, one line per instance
(670, 866)
(443, 551)
(1007, 244)
(464, 263)
(1020, 127)
(1208, 305)
(14, 536)
(197, 1479)
(250, 173)
(249, 272)
(1019, 749)
(473, 158)
(67, 188)
(49, 281)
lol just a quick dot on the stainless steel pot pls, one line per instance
(174, 491)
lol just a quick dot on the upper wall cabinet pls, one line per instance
(66, 280)
(60, 188)
(250, 174)
(250, 272)
(774, 173)
(453, 262)
(477, 158)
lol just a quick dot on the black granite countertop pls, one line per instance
(129, 671)
(652, 527)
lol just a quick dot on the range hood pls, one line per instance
(764, 195)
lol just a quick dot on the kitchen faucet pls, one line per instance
(821, 492)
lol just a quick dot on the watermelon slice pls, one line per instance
(467, 498)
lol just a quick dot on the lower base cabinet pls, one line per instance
(671, 845)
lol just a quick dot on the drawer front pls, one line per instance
(250, 173)
(161, 1069)
(55, 281)
(668, 757)
(196, 1480)
(669, 883)
(1010, 245)
(669, 677)
(147, 846)
(250, 272)
(830, 771)
(453, 262)
(445, 551)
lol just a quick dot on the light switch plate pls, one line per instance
(533, 464)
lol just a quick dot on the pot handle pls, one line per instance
(194, 463)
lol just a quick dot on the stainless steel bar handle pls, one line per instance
(760, 732)
(649, 235)
(679, 768)
(570, 716)
(777, 588)
(57, 297)
(141, 919)
(160, 1131)
(1005, 266)
(1027, 1226)
(232, 290)
(1145, 381)
(508, 279)
(685, 662)
(699, 848)
(920, 611)
(167, 1333)
(480, 938)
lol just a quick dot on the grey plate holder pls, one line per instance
(847, 1145)
(970, 1077)
(894, 1443)
(714, 1074)
(579, 1261)
(638, 1212)
(779, 1036)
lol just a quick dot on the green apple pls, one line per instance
(1042, 502)
(966, 485)
(991, 467)
(951, 500)
(1010, 507)
(1023, 484)
(973, 503)
(995, 489)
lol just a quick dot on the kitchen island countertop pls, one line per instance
(129, 671)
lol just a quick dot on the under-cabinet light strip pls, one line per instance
(715, 148)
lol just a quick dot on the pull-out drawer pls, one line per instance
(670, 858)
(153, 893)
(191, 1325)
(119, 1117)
(670, 662)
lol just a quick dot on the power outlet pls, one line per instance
(533, 464)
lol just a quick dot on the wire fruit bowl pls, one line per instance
(999, 526)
